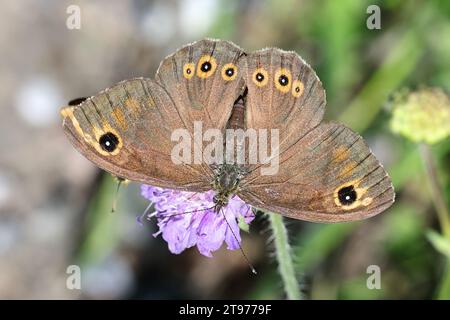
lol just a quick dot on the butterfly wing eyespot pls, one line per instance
(283, 80)
(297, 88)
(206, 66)
(349, 196)
(229, 72)
(188, 70)
(109, 142)
(260, 77)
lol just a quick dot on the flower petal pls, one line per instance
(185, 219)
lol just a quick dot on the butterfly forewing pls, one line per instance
(204, 79)
(126, 130)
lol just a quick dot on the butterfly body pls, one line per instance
(226, 183)
(323, 172)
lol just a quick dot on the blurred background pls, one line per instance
(55, 206)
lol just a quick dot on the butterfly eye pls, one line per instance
(283, 80)
(297, 88)
(109, 142)
(347, 195)
(206, 66)
(229, 72)
(260, 77)
(188, 70)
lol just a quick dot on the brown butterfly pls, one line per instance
(326, 172)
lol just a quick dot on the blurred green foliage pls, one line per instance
(102, 224)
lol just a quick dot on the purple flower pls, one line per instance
(186, 219)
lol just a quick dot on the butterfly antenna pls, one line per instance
(143, 215)
(240, 247)
(119, 183)
(149, 216)
(185, 212)
(193, 195)
(197, 210)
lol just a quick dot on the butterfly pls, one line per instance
(326, 172)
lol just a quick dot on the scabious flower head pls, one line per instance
(422, 116)
(186, 219)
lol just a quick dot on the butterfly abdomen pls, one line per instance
(237, 118)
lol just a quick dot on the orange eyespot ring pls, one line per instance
(297, 88)
(107, 140)
(188, 70)
(260, 77)
(283, 80)
(206, 66)
(109, 145)
(229, 72)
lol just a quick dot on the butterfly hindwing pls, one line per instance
(284, 93)
(329, 176)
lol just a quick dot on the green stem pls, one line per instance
(437, 193)
(443, 292)
(283, 253)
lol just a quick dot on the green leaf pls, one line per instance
(439, 242)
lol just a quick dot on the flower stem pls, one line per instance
(436, 190)
(283, 254)
(437, 194)
(443, 292)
